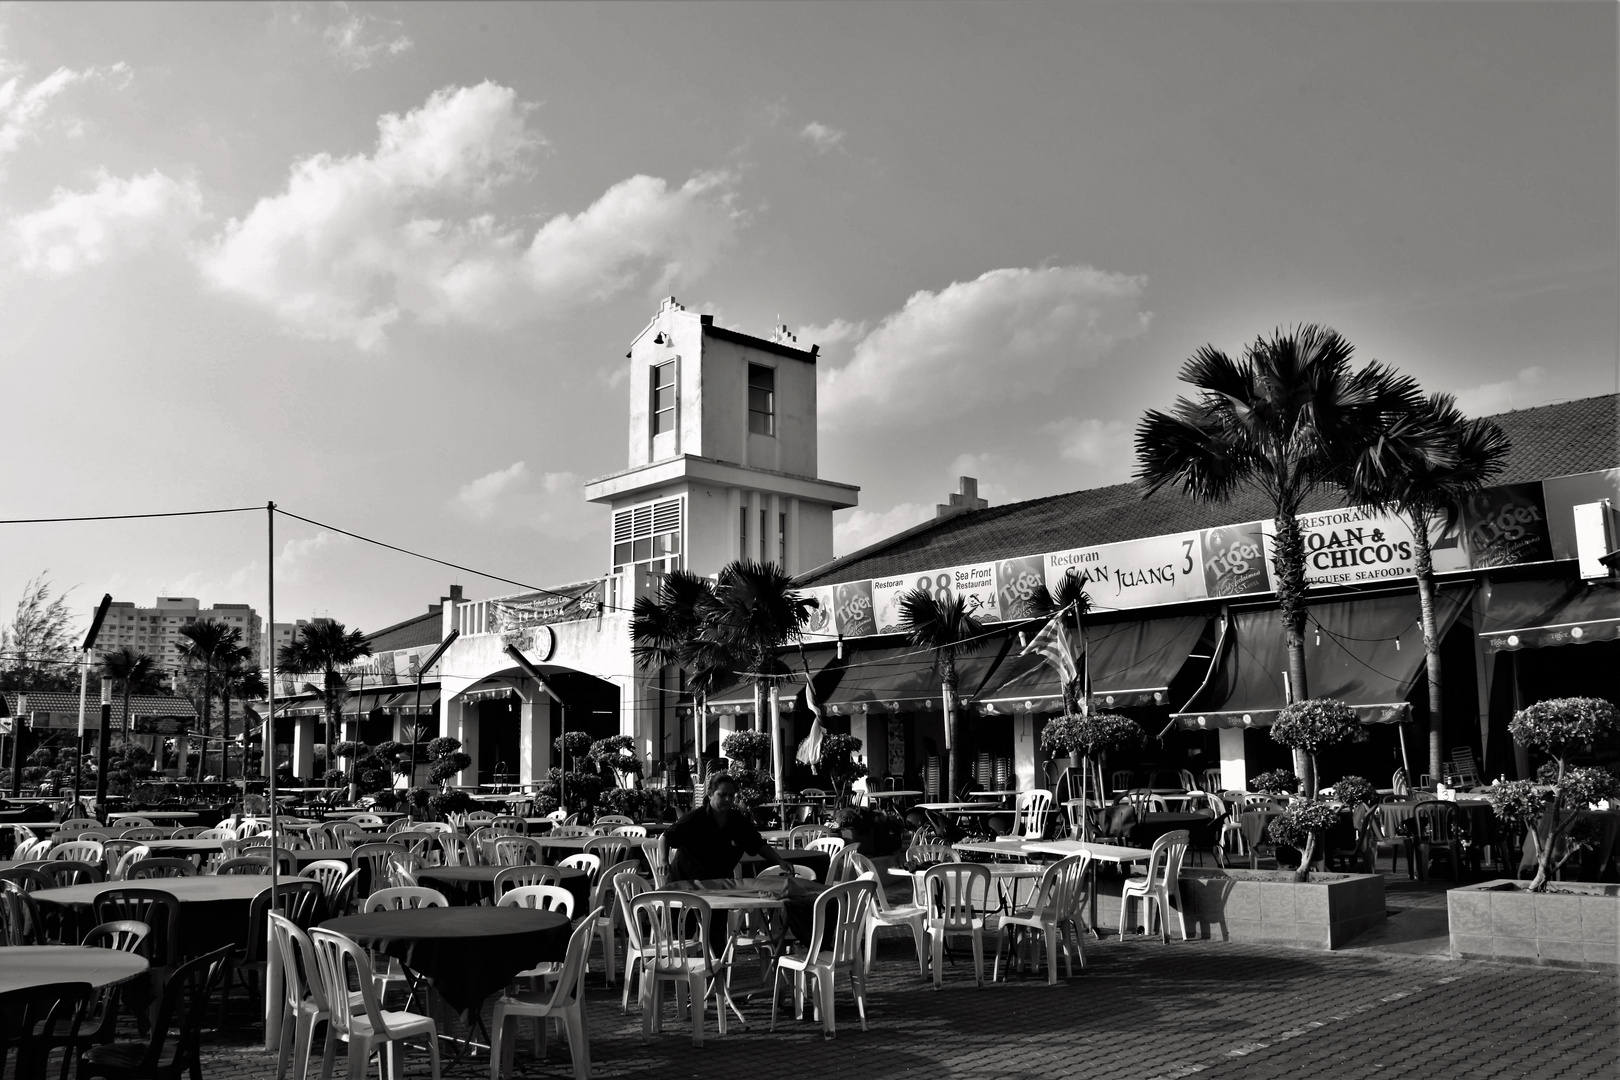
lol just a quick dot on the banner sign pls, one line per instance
(1349, 546)
(563, 604)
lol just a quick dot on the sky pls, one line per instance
(380, 263)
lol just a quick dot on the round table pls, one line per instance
(25, 966)
(156, 815)
(1203, 829)
(213, 909)
(184, 849)
(749, 865)
(469, 886)
(466, 953)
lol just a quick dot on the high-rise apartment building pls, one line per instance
(156, 630)
(280, 634)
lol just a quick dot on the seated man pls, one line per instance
(708, 841)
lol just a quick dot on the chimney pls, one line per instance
(965, 498)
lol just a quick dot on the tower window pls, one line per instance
(663, 397)
(761, 400)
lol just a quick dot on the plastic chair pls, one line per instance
(360, 1021)
(657, 856)
(566, 1002)
(609, 849)
(912, 916)
(626, 887)
(186, 996)
(602, 899)
(297, 900)
(1438, 826)
(635, 832)
(26, 878)
(154, 867)
(347, 833)
(1055, 912)
(374, 858)
(517, 877)
(832, 845)
(1161, 885)
(73, 825)
(948, 890)
(514, 851)
(798, 870)
(62, 872)
(144, 833)
(1463, 766)
(1120, 781)
(800, 835)
(570, 830)
(825, 960)
(251, 864)
(400, 899)
(124, 936)
(90, 851)
(591, 864)
(38, 1020)
(20, 920)
(674, 929)
(157, 909)
(839, 868)
(540, 898)
(305, 1004)
(1030, 810)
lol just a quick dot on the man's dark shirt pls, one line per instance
(706, 849)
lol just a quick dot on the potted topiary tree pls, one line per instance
(1309, 727)
(755, 784)
(1086, 735)
(838, 763)
(1548, 806)
(1275, 782)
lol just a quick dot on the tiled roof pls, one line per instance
(413, 632)
(1550, 440)
(57, 703)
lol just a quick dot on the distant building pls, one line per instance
(156, 630)
(282, 633)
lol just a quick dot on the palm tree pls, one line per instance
(753, 613)
(946, 627)
(324, 646)
(206, 643)
(667, 631)
(1283, 420)
(132, 670)
(1425, 465)
(242, 680)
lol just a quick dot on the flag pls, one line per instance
(1052, 645)
(809, 751)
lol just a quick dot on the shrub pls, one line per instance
(445, 803)
(1313, 726)
(1089, 735)
(1275, 782)
(1354, 791)
(838, 763)
(617, 753)
(334, 777)
(753, 748)
(442, 746)
(1558, 727)
(1300, 826)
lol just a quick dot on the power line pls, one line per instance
(443, 562)
(130, 517)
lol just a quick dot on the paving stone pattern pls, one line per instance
(1141, 1009)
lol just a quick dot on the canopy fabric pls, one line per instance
(1365, 652)
(1539, 613)
(488, 693)
(364, 704)
(1129, 663)
(302, 707)
(405, 701)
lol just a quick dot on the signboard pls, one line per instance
(563, 604)
(1349, 546)
(158, 725)
(823, 624)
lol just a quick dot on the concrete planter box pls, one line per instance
(1268, 907)
(1576, 926)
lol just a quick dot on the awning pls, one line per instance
(1130, 663)
(406, 701)
(1365, 652)
(1533, 614)
(488, 693)
(364, 704)
(302, 707)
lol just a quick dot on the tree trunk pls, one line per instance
(956, 754)
(207, 718)
(225, 730)
(1288, 566)
(1306, 854)
(1423, 570)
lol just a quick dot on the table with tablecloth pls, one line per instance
(1203, 830)
(467, 954)
(213, 909)
(749, 866)
(469, 886)
(25, 966)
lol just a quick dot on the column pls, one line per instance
(755, 545)
(461, 722)
(734, 505)
(1024, 750)
(860, 727)
(773, 532)
(793, 566)
(534, 738)
(1234, 763)
(303, 758)
(725, 724)
(182, 746)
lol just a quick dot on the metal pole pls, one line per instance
(78, 761)
(273, 976)
(17, 722)
(105, 738)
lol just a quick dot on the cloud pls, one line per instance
(1497, 397)
(821, 136)
(1105, 447)
(355, 243)
(1006, 336)
(24, 106)
(549, 503)
(864, 527)
(78, 229)
(359, 39)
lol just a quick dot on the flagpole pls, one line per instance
(273, 996)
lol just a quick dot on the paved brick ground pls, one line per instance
(1141, 1009)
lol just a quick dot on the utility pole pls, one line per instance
(101, 751)
(17, 723)
(84, 680)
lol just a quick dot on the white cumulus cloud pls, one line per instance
(1005, 336)
(355, 243)
(1105, 446)
(1490, 398)
(24, 105)
(78, 229)
(821, 136)
(360, 39)
(864, 527)
(551, 503)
